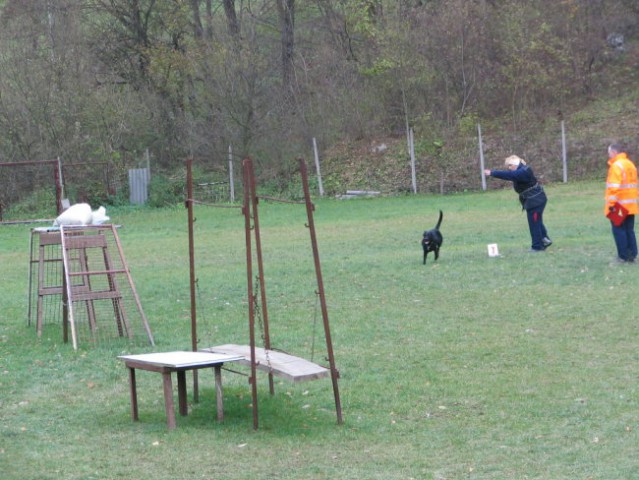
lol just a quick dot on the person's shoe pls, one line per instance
(546, 241)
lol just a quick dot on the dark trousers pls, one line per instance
(625, 239)
(536, 226)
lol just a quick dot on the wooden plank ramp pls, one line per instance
(280, 364)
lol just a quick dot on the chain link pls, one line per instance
(260, 322)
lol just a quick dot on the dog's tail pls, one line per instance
(439, 222)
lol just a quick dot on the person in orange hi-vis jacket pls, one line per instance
(621, 195)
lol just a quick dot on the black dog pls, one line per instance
(433, 239)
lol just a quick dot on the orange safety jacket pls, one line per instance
(621, 184)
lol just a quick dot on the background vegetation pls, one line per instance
(522, 366)
(103, 81)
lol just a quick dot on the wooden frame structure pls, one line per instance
(82, 268)
(273, 362)
(84, 283)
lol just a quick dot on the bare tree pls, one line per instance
(132, 19)
(198, 30)
(286, 11)
(231, 18)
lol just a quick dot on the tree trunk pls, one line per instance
(231, 18)
(198, 30)
(209, 20)
(286, 10)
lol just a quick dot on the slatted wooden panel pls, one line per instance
(280, 364)
(103, 304)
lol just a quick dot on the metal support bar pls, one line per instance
(260, 265)
(246, 165)
(320, 289)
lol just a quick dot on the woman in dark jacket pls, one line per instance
(531, 196)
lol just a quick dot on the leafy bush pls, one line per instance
(165, 191)
(39, 203)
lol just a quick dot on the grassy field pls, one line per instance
(518, 367)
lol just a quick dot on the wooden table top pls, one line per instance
(180, 359)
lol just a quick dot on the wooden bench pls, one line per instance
(280, 364)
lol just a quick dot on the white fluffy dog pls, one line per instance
(81, 214)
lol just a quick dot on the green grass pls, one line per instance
(518, 367)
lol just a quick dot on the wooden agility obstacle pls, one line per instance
(273, 362)
(83, 271)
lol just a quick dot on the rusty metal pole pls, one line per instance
(320, 290)
(189, 206)
(260, 266)
(246, 210)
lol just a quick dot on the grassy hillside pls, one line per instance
(383, 162)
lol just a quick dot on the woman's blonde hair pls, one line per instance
(514, 160)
